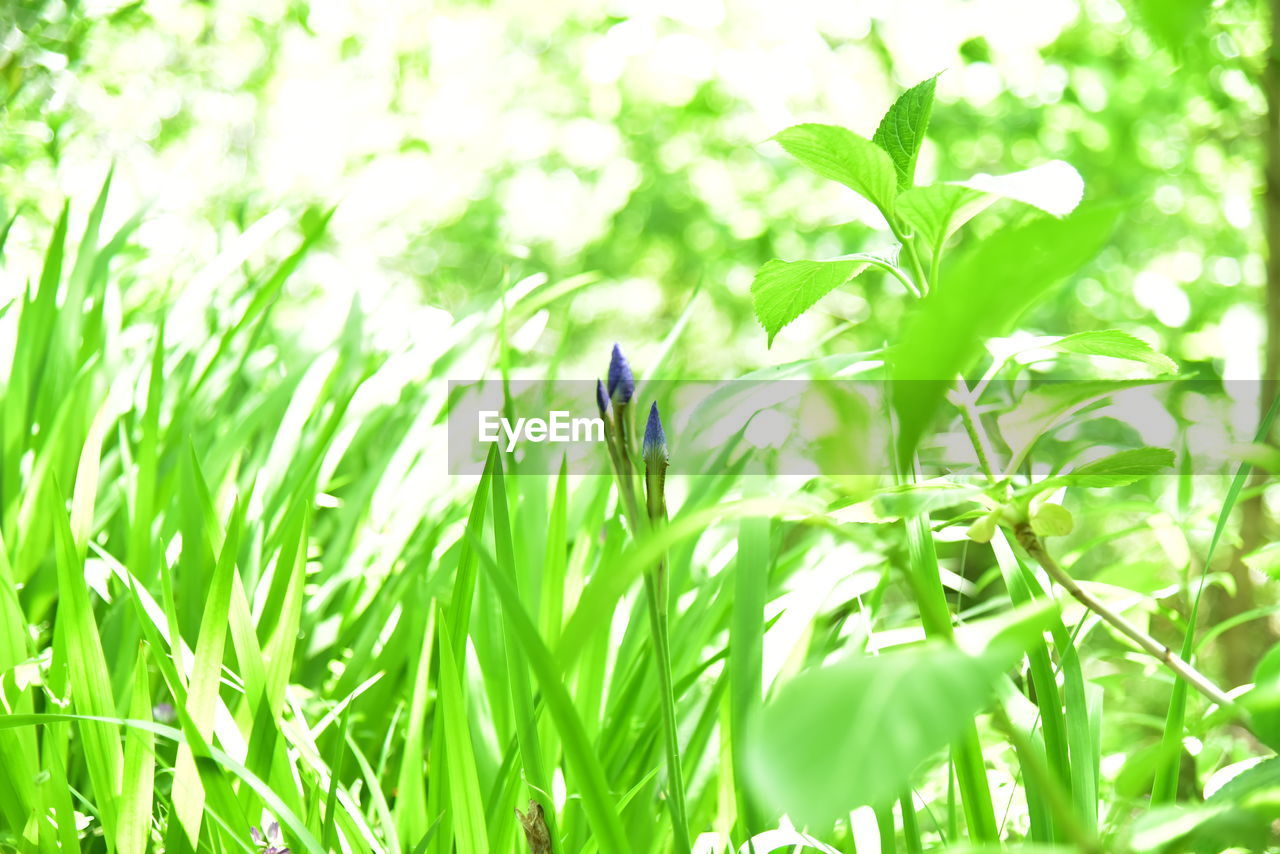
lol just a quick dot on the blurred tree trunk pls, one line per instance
(1244, 645)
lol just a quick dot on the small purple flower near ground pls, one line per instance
(269, 841)
(654, 449)
(602, 399)
(622, 384)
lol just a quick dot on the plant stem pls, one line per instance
(935, 614)
(1059, 804)
(642, 523)
(1034, 546)
(964, 401)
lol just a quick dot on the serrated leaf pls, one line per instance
(1265, 559)
(901, 131)
(1054, 187)
(936, 212)
(841, 155)
(1117, 345)
(783, 290)
(1045, 407)
(980, 297)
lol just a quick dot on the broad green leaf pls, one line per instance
(1263, 701)
(937, 211)
(901, 131)
(1049, 405)
(841, 155)
(784, 290)
(1265, 776)
(979, 297)
(1166, 825)
(852, 734)
(1054, 187)
(1117, 345)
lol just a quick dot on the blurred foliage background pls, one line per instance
(469, 150)
(468, 146)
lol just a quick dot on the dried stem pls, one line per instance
(1034, 546)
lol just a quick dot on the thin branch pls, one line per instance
(1034, 546)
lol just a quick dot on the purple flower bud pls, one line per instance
(602, 399)
(622, 385)
(654, 448)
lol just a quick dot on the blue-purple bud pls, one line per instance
(654, 448)
(622, 385)
(602, 399)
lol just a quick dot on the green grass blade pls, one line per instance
(746, 656)
(87, 665)
(467, 807)
(139, 767)
(583, 764)
(206, 677)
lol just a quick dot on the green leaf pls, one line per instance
(206, 679)
(841, 155)
(139, 768)
(1123, 467)
(937, 211)
(79, 641)
(901, 131)
(1265, 559)
(784, 290)
(853, 734)
(1166, 825)
(1263, 777)
(1119, 469)
(1263, 701)
(1049, 405)
(980, 297)
(1117, 345)
(1052, 520)
(1054, 187)
(465, 800)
